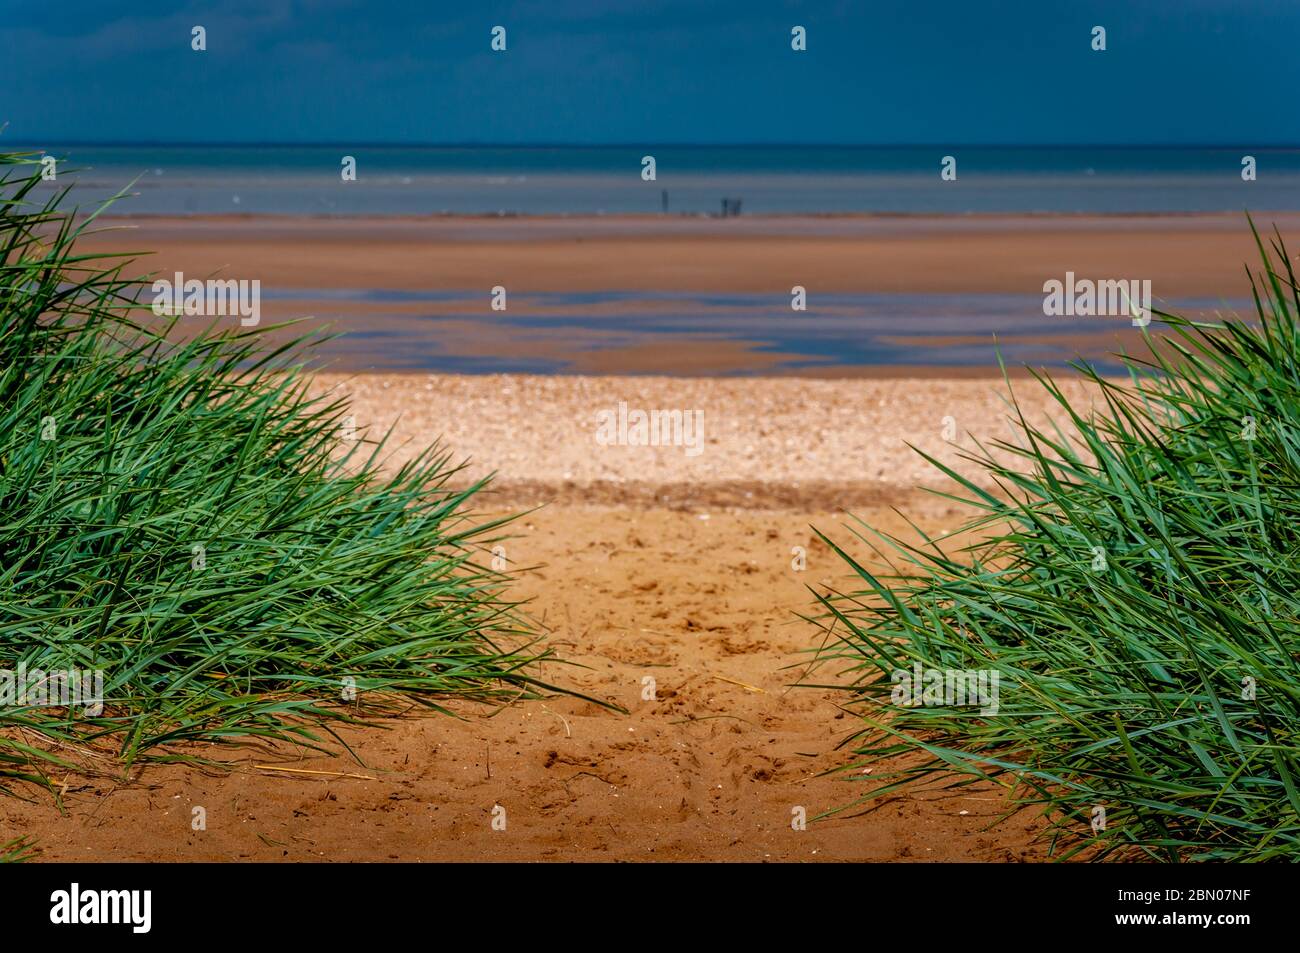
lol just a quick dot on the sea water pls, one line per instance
(692, 180)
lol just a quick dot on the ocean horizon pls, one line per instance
(181, 179)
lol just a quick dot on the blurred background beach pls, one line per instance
(692, 273)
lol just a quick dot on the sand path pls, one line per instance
(710, 770)
(664, 567)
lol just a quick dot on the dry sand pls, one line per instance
(681, 572)
(710, 771)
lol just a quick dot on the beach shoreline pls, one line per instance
(809, 297)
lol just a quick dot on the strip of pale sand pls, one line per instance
(760, 443)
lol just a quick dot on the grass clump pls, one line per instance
(16, 851)
(1136, 589)
(179, 515)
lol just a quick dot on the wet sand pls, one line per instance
(1193, 255)
(929, 295)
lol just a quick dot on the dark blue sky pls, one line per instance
(653, 71)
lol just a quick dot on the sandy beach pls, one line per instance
(625, 433)
(638, 561)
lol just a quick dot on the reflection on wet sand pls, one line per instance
(682, 297)
(680, 334)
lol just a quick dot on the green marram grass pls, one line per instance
(123, 449)
(17, 851)
(1135, 585)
